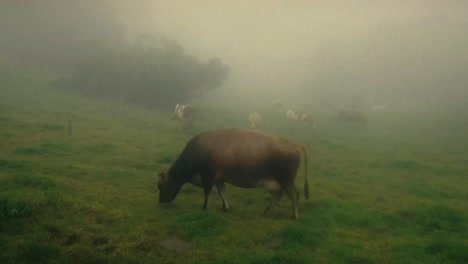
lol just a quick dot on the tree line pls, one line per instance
(154, 72)
(87, 43)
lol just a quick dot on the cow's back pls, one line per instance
(242, 156)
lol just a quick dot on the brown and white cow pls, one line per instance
(255, 119)
(242, 157)
(299, 116)
(185, 115)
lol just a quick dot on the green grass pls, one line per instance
(45, 148)
(14, 165)
(377, 195)
(197, 224)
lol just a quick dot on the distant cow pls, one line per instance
(352, 116)
(299, 116)
(255, 119)
(242, 157)
(185, 115)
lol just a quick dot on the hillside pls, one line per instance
(78, 185)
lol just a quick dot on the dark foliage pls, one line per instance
(151, 72)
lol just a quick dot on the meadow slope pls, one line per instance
(391, 191)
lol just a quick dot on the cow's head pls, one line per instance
(168, 190)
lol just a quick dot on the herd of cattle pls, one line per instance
(247, 158)
(185, 115)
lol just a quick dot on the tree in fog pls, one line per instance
(85, 41)
(152, 71)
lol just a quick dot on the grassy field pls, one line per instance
(392, 191)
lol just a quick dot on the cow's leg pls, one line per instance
(221, 191)
(207, 183)
(275, 190)
(207, 194)
(293, 194)
(275, 196)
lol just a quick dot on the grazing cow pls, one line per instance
(242, 157)
(299, 116)
(255, 119)
(352, 116)
(185, 115)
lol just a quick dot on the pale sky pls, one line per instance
(268, 42)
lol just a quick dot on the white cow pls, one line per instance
(255, 119)
(185, 115)
(299, 116)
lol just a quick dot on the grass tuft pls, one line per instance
(408, 252)
(433, 218)
(120, 174)
(45, 148)
(278, 257)
(51, 127)
(19, 203)
(405, 165)
(166, 157)
(298, 236)
(39, 251)
(448, 250)
(14, 165)
(199, 224)
(350, 253)
(11, 208)
(32, 181)
(424, 190)
(101, 148)
(349, 213)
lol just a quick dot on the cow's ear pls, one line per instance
(162, 177)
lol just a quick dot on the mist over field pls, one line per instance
(377, 49)
(393, 52)
(87, 96)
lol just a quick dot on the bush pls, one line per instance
(151, 72)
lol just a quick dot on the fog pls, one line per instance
(377, 48)
(392, 52)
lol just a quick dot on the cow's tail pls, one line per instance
(306, 183)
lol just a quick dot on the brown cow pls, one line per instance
(185, 115)
(242, 157)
